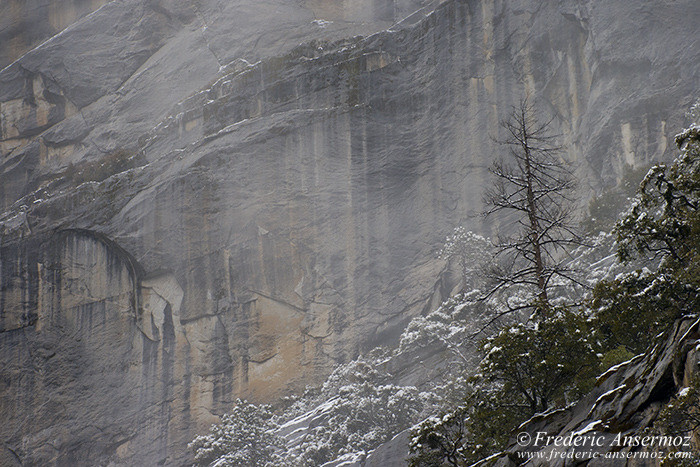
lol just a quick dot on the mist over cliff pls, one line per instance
(208, 200)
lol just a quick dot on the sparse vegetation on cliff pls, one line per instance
(534, 364)
(537, 366)
(355, 410)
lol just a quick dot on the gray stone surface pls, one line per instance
(245, 212)
(25, 24)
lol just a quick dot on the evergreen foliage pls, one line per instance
(632, 309)
(466, 434)
(542, 365)
(662, 225)
(680, 417)
(682, 414)
(664, 220)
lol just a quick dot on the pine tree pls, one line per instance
(532, 183)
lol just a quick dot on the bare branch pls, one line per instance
(532, 182)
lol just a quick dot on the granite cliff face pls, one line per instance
(203, 201)
(24, 24)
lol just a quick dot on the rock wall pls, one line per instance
(197, 208)
(74, 361)
(24, 24)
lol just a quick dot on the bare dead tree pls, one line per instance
(533, 183)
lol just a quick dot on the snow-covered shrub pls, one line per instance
(471, 252)
(361, 410)
(450, 324)
(245, 437)
(360, 418)
(441, 439)
(356, 409)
